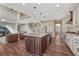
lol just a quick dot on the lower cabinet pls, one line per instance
(21, 36)
(73, 44)
(48, 39)
(27, 43)
(76, 46)
(12, 38)
(37, 45)
(70, 43)
(44, 44)
(31, 44)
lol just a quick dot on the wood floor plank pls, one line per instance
(56, 48)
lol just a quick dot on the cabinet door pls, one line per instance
(43, 44)
(31, 44)
(65, 39)
(37, 45)
(78, 16)
(27, 43)
(76, 47)
(12, 38)
(48, 39)
(70, 43)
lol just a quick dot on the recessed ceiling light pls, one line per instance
(38, 3)
(58, 5)
(35, 12)
(47, 14)
(23, 4)
(3, 20)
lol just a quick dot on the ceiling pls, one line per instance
(43, 11)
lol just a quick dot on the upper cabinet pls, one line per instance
(70, 21)
(78, 16)
(75, 17)
(73, 21)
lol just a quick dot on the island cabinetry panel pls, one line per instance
(76, 46)
(44, 44)
(37, 45)
(31, 43)
(27, 43)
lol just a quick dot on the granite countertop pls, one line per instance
(36, 34)
(74, 35)
(12, 33)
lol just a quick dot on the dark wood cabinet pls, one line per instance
(44, 43)
(21, 36)
(37, 45)
(27, 43)
(31, 44)
(12, 38)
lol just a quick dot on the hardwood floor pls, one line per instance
(56, 48)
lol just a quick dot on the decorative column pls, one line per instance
(17, 25)
(18, 18)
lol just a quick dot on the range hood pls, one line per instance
(71, 18)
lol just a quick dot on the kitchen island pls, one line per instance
(37, 43)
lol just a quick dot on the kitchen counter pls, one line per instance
(36, 34)
(37, 43)
(73, 35)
